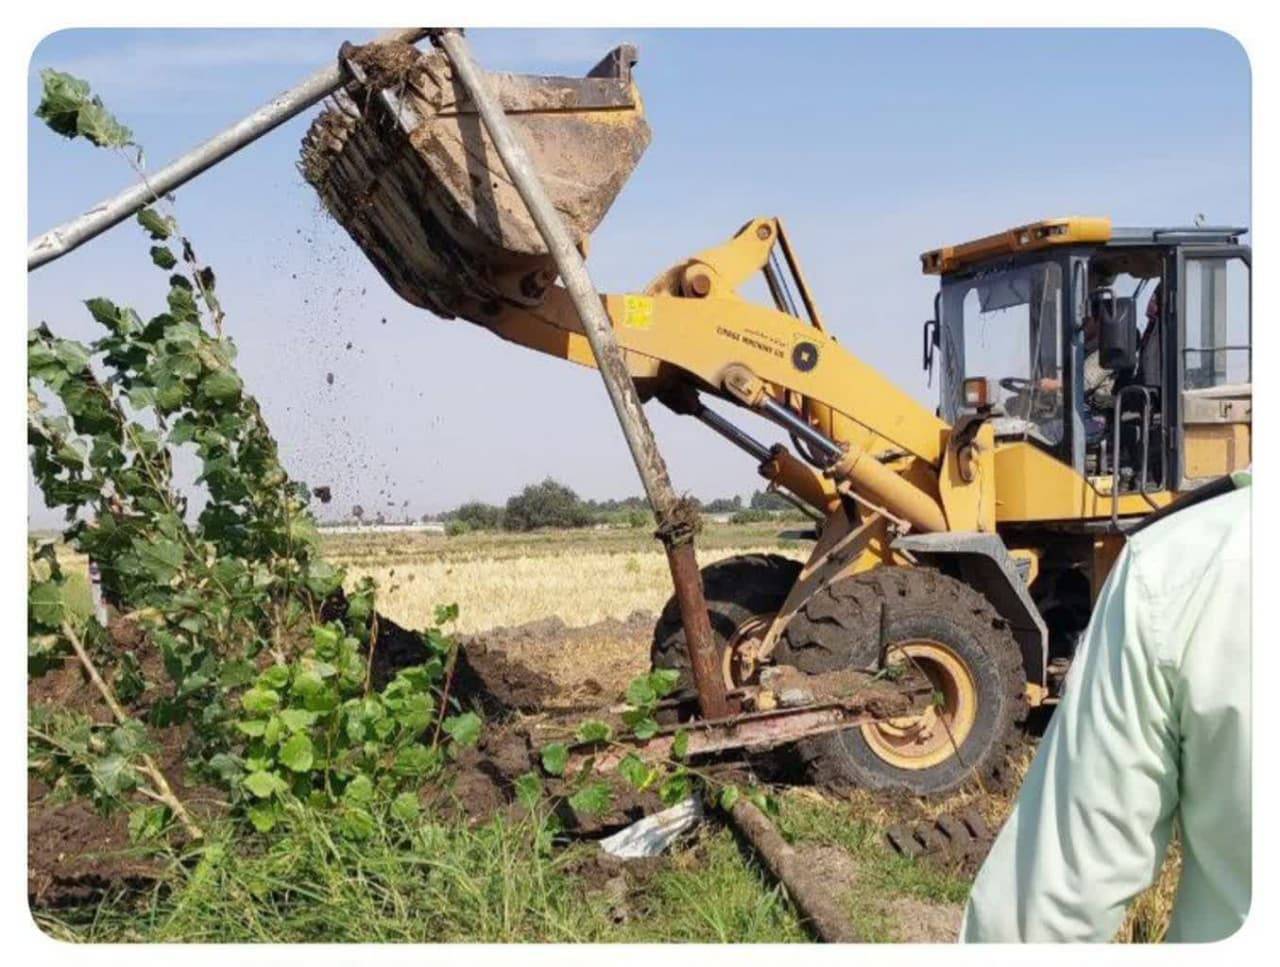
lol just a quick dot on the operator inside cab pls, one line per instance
(1099, 382)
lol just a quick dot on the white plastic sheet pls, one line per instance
(652, 835)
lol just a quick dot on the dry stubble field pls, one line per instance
(498, 579)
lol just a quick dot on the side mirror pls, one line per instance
(1117, 333)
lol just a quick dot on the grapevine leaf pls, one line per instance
(464, 729)
(680, 744)
(146, 822)
(645, 728)
(264, 816)
(640, 692)
(663, 681)
(220, 386)
(45, 604)
(359, 789)
(160, 559)
(114, 774)
(297, 719)
(528, 790)
(100, 126)
(60, 103)
(636, 771)
(676, 788)
(274, 676)
(322, 578)
(259, 701)
(264, 784)
(356, 824)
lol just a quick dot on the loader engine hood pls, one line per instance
(402, 161)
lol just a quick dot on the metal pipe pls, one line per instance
(799, 504)
(734, 434)
(69, 236)
(785, 416)
(1144, 442)
(765, 455)
(676, 521)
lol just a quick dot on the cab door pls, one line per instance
(1212, 364)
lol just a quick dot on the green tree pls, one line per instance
(476, 516)
(546, 504)
(723, 505)
(768, 500)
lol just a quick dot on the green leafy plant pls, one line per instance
(263, 656)
(587, 790)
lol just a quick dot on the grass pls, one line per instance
(884, 880)
(434, 882)
(711, 893)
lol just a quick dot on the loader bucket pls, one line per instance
(404, 164)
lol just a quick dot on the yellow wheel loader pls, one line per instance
(1088, 375)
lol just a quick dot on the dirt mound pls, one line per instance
(546, 664)
(529, 667)
(74, 854)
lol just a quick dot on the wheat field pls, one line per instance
(581, 586)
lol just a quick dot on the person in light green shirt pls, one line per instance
(1153, 728)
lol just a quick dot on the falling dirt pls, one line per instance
(387, 64)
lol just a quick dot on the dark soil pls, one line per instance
(619, 883)
(499, 682)
(74, 854)
(546, 664)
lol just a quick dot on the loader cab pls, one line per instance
(1124, 353)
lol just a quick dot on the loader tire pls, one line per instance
(951, 633)
(742, 593)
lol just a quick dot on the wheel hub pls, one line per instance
(741, 656)
(935, 734)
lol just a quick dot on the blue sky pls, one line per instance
(872, 145)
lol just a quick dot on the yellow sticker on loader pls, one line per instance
(637, 312)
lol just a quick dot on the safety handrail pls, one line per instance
(1147, 394)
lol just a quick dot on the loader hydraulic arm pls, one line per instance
(692, 331)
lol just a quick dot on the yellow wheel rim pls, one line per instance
(740, 659)
(933, 736)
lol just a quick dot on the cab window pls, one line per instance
(1216, 327)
